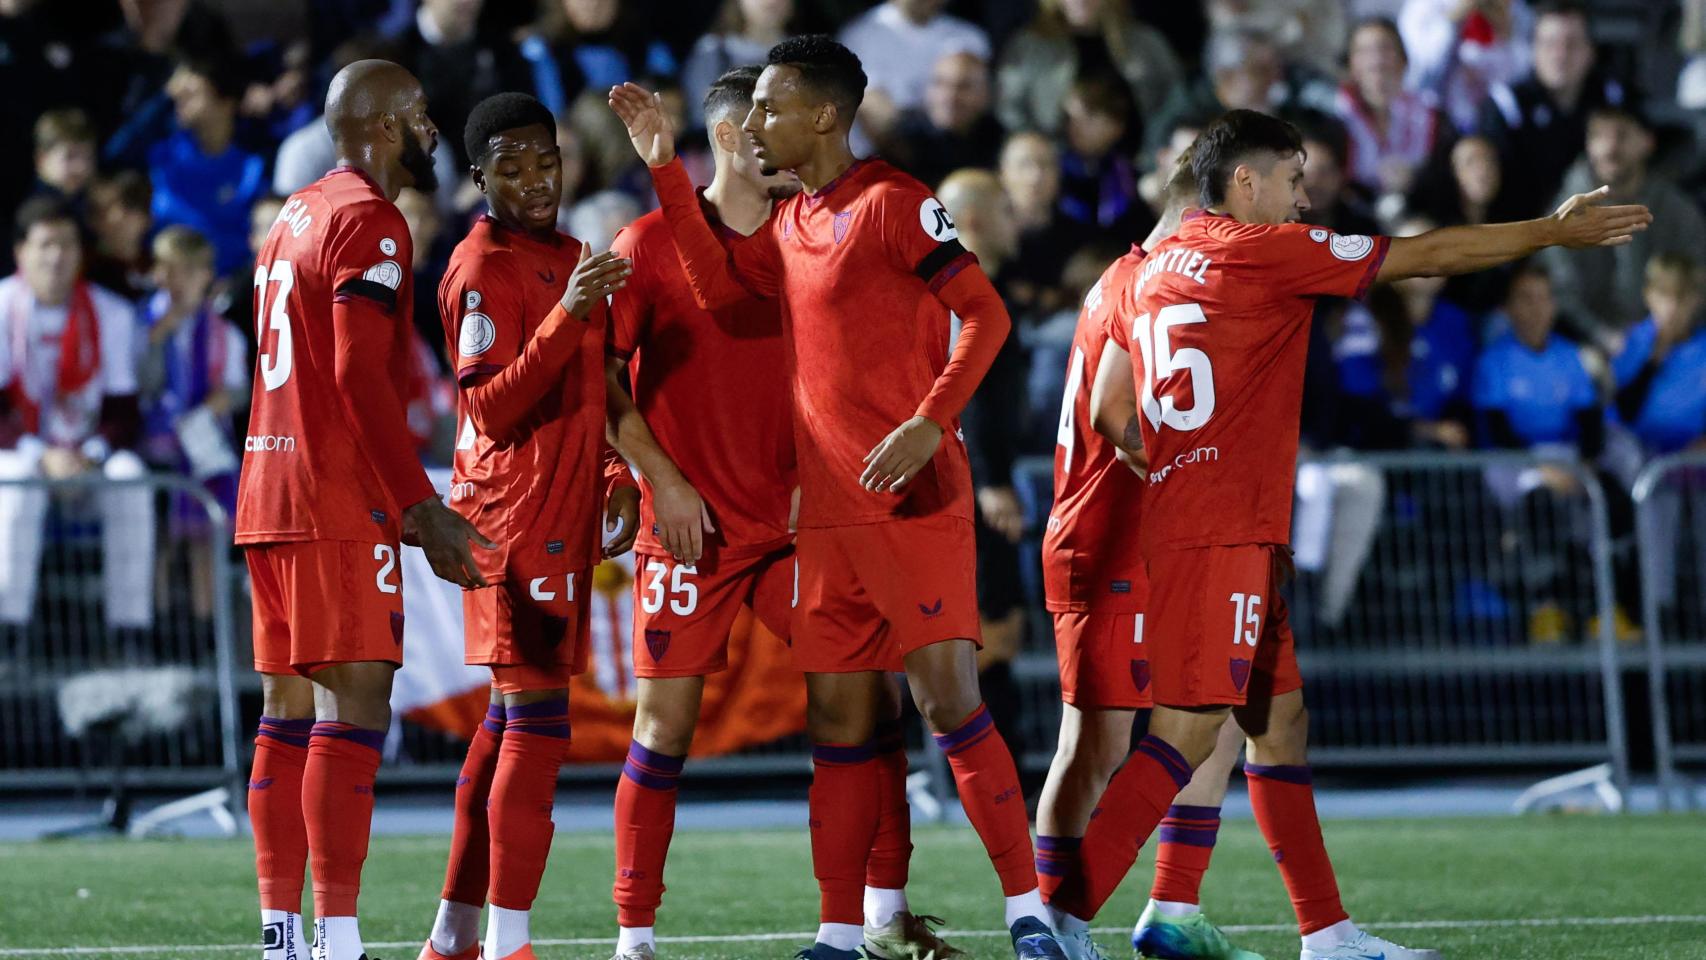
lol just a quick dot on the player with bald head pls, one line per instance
(330, 489)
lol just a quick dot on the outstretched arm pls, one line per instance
(1583, 221)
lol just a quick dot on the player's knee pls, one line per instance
(666, 732)
(831, 722)
(944, 710)
(286, 697)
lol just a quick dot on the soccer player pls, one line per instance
(330, 486)
(710, 427)
(867, 266)
(524, 317)
(1219, 317)
(1096, 588)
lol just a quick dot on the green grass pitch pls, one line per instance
(1561, 888)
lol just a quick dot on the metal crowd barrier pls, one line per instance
(1670, 524)
(117, 666)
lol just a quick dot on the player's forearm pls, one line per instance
(984, 326)
(500, 405)
(1450, 251)
(630, 435)
(615, 469)
(371, 405)
(709, 268)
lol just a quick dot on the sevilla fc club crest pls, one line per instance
(843, 221)
(657, 643)
(1240, 674)
(1140, 674)
(397, 627)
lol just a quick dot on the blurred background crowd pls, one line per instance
(153, 142)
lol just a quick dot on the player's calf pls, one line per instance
(456, 927)
(524, 788)
(337, 795)
(645, 805)
(275, 813)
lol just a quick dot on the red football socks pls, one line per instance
(989, 790)
(337, 804)
(1284, 802)
(844, 801)
(1130, 809)
(645, 822)
(470, 840)
(1057, 859)
(275, 811)
(1187, 838)
(524, 789)
(891, 854)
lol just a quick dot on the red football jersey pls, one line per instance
(857, 266)
(1091, 555)
(531, 459)
(308, 474)
(1218, 316)
(712, 386)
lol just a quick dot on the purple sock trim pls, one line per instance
(290, 732)
(1189, 836)
(978, 727)
(558, 707)
(842, 754)
(1170, 759)
(1180, 812)
(372, 739)
(1058, 845)
(653, 760)
(1285, 774)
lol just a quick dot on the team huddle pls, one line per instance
(773, 353)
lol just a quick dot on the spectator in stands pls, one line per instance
(44, 68)
(1460, 187)
(1603, 286)
(1334, 201)
(1310, 33)
(1098, 184)
(201, 177)
(120, 218)
(899, 42)
(574, 171)
(130, 67)
(1539, 124)
(1392, 131)
(1030, 173)
(1073, 39)
(585, 47)
(1440, 356)
(68, 408)
(234, 299)
(1242, 70)
(743, 33)
(1531, 388)
(984, 217)
(1152, 185)
(1661, 372)
(426, 233)
(457, 65)
(1460, 49)
(596, 219)
(65, 151)
(954, 128)
(193, 372)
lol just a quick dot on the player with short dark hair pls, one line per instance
(867, 266)
(1219, 318)
(330, 488)
(524, 317)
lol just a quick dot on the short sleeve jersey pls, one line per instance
(538, 493)
(1541, 391)
(712, 386)
(1091, 557)
(305, 476)
(1218, 317)
(860, 263)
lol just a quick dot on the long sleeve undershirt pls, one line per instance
(362, 331)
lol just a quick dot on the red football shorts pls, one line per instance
(1104, 663)
(873, 593)
(531, 631)
(683, 612)
(1217, 629)
(320, 602)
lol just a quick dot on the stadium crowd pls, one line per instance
(164, 133)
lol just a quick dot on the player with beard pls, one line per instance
(524, 317)
(867, 267)
(330, 487)
(711, 429)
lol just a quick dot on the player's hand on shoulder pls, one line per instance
(901, 455)
(445, 537)
(595, 278)
(621, 520)
(1586, 220)
(682, 518)
(649, 125)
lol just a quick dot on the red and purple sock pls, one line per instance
(1187, 836)
(1129, 811)
(891, 853)
(1057, 859)
(275, 811)
(844, 805)
(988, 784)
(524, 790)
(645, 822)
(1283, 798)
(465, 878)
(337, 805)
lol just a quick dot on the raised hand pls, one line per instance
(444, 535)
(594, 279)
(648, 123)
(901, 455)
(1585, 220)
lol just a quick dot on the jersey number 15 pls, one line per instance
(1153, 337)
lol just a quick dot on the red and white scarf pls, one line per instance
(79, 352)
